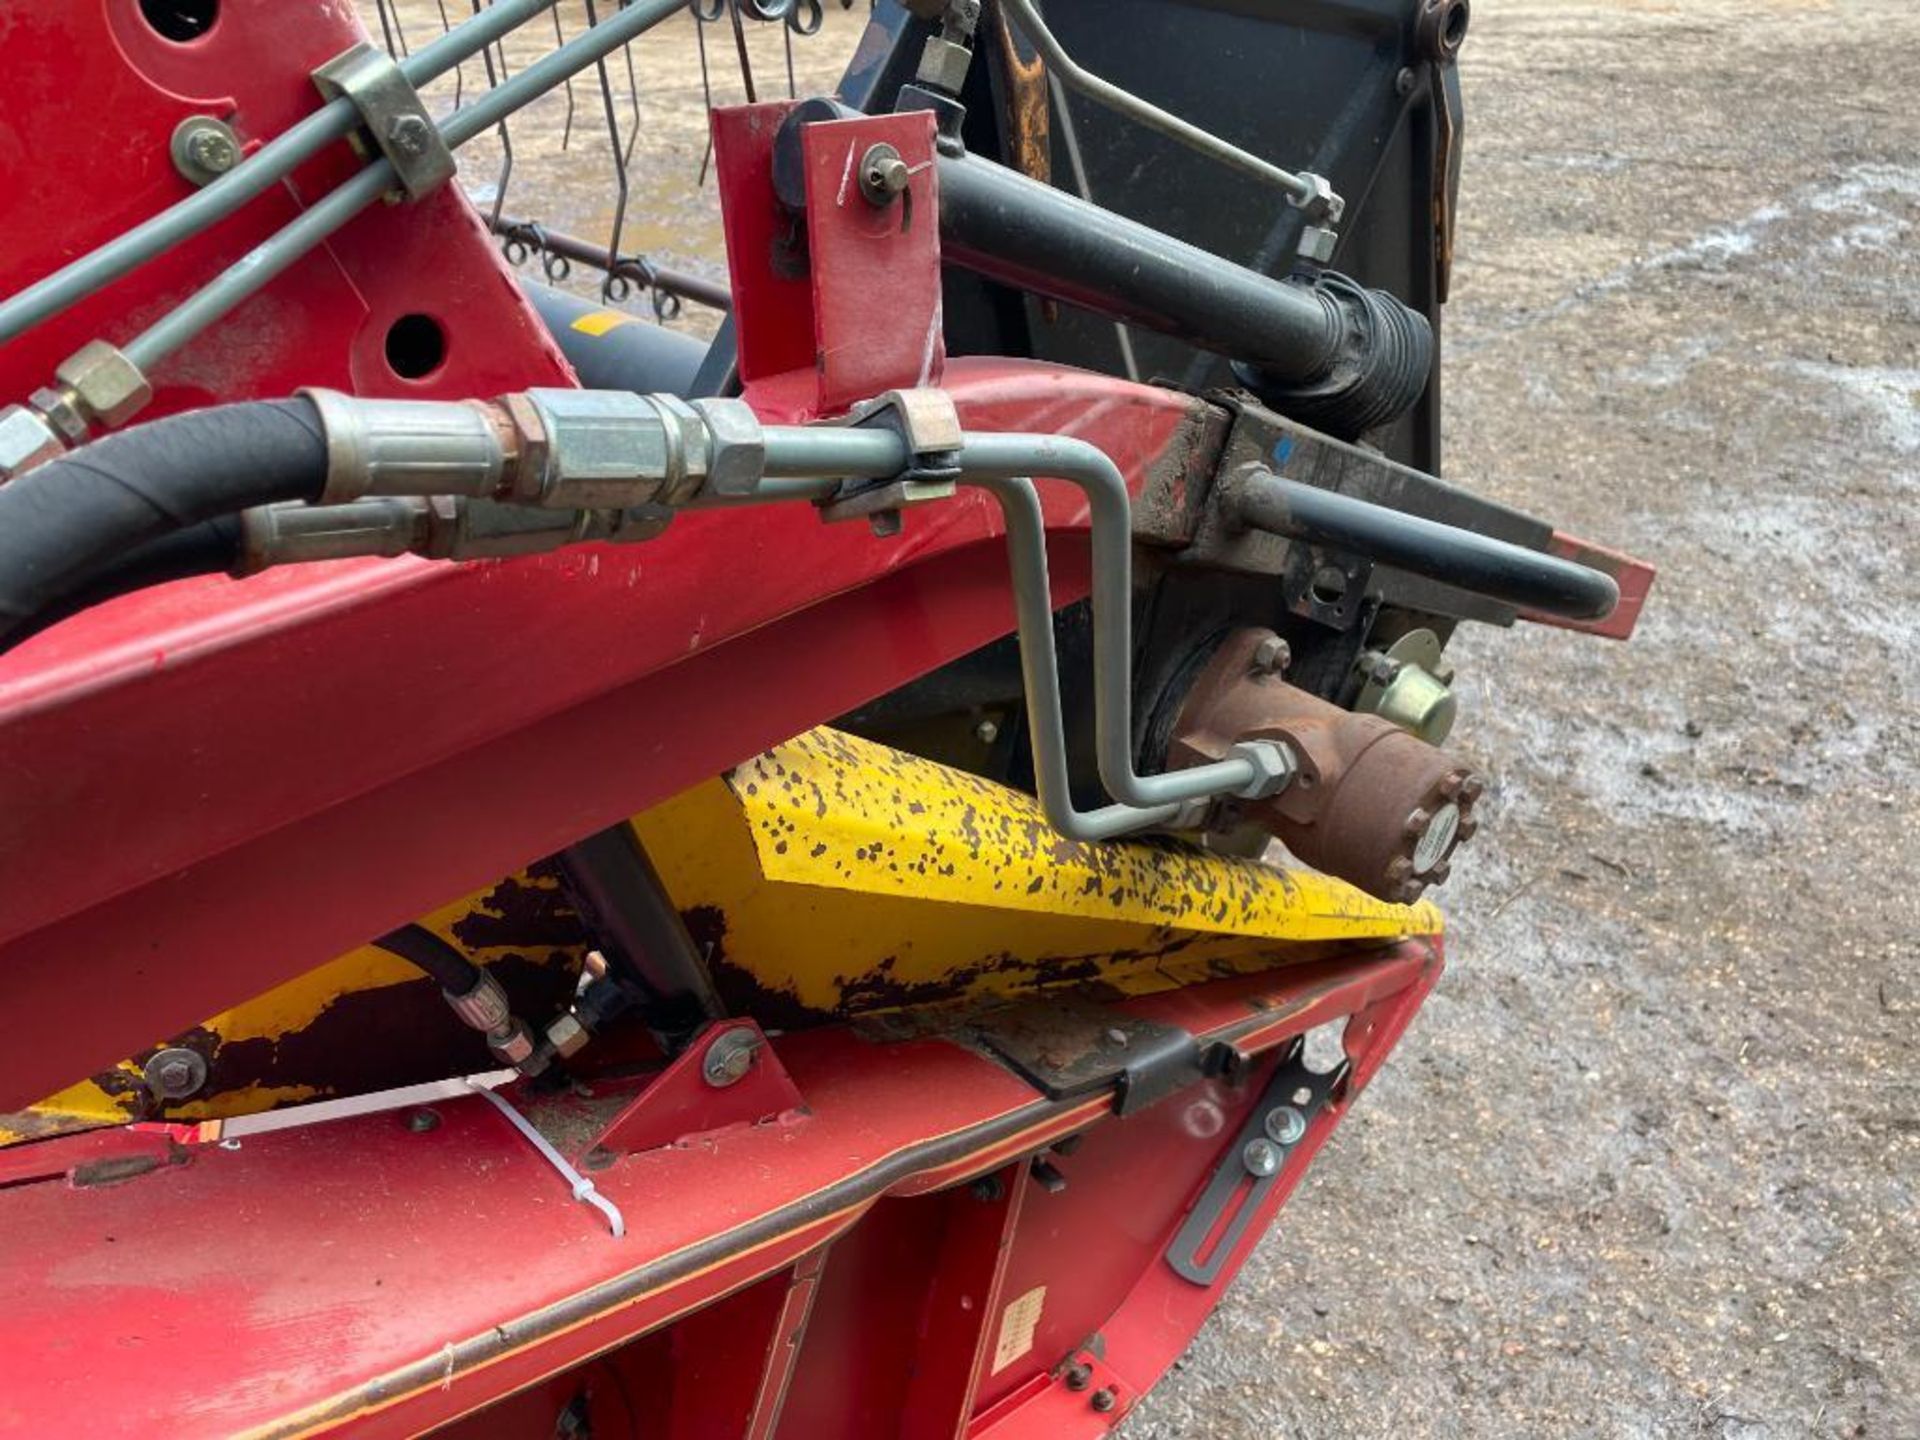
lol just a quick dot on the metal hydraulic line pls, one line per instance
(266, 260)
(272, 163)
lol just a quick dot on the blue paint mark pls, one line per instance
(1282, 448)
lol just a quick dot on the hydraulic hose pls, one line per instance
(210, 548)
(61, 524)
(420, 947)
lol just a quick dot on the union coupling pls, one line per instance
(558, 449)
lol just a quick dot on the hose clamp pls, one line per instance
(392, 117)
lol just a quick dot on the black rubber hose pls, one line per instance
(419, 946)
(210, 548)
(64, 523)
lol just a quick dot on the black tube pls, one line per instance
(1323, 349)
(419, 946)
(1462, 558)
(64, 523)
(624, 905)
(210, 548)
(627, 354)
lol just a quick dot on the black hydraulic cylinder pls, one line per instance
(1462, 558)
(1321, 348)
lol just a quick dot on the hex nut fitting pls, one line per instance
(943, 65)
(26, 440)
(513, 1043)
(1274, 766)
(567, 1035)
(737, 446)
(106, 386)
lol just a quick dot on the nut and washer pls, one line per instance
(203, 148)
(393, 115)
(1260, 1158)
(1285, 1125)
(729, 1057)
(883, 174)
(1272, 655)
(175, 1073)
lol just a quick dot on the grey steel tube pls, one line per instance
(1060, 457)
(1467, 559)
(1040, 670)
(266, 260)
(269, 165)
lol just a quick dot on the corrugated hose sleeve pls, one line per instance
(63, 523)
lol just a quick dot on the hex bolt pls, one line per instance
(175, 1073)
(986, 732)
(1260, 1158)
(409, 133)
(883, 174)
(1079, 1375)
(1103, 1399)
(1285, 1125)
(211, 150)
(422, 1120)
(1272, 655)
(729, 1058)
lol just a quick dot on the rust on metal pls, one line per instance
(1370, 803)
(1025, 109)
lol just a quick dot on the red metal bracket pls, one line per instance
(1635, 578)
(858, 302)
(695, 1096)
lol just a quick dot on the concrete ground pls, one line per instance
(1647, 1165)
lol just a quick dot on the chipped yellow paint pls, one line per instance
(116, 1096)
(833, 874)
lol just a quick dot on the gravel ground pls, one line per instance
(1647, 1163)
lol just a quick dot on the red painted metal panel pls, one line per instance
(1635, 578)
(876, 269)
(359, 1276)
(772, 298)
(325, 320)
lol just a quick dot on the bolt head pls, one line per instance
(729, 1057)
(1272, 655)
(1260, 1158)
(1103, 1399)
(175, 1073)
(211, 150)
(421, 1120)
(1285, 1125)
(409, 134)
(986, 732)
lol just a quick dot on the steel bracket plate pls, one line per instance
(1282, 1123)
(1070, 1047)
(392, 116)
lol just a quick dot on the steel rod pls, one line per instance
(269, 165)
(1299, 188)
(625, 267)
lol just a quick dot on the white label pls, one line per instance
(1017, 1324)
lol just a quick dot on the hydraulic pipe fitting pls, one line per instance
(1369, 803)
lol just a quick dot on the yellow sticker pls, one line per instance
(1017, 1324)
(599, 322)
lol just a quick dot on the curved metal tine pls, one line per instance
(459, 70)
(560, 38)
(786, 38)
(386, 26)
(615, 146)
(633, 97)
(494, 76)
(740, 44)
(706, 89)
(400, 34)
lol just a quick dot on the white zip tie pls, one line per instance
(582, 1186)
